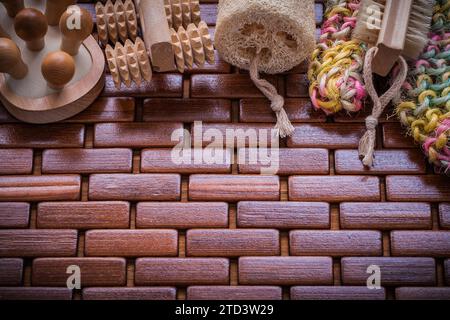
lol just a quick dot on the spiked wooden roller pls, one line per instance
(128, 63)
(192, 45)
(116, 21)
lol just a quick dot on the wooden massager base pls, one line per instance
(30, 99)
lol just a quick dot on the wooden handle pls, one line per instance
(11, 59)
(13, 7)
(58, 68)
(55, 8)
(31, 26)
(73, 35)
(156, 34)
(391, 39)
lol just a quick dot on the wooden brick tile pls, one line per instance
(447, 271)
(420, 243)
(107, 110)
(444, 215)
(39, 188)
(187, 110)
(234, 293)
(134, 187)
(418, 188)
(34, 243)
(298, 110)
(35, 293)
(284, 161)
(11, 272)
(131, 243)
(386, 116)
(16, 161)
(182, 215)
(394, 136)
(182, 271)
(385, 215)
(334, 188)
(285, 270)
(87, 160)
(394, 271)
(135, 135)
(232, 242)
(130, 293)
(283, 215)
(190, 161)
(41, 136)
(83, 215)
(328, 135)
(14, 214)
(231, 86)
(94, 271)
(232, 135)
(421, 293)
(297, 85)
(385, 162)
(335, 243)
(209, 13)
(233, 188)
(337, 293)
(162, 85)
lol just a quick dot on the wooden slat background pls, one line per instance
(100, 191)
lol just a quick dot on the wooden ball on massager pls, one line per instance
(31, 26)
(13, 6)
(58, 68)
(11, 59)
(73, 37)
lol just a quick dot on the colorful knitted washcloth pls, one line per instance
(335, 72)
(425, 105)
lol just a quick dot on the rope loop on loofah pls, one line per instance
(367, 142)
(424, 104)
(283, 127)
(337, 62)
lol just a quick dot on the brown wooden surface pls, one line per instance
(101, 185)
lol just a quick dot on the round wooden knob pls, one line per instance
(75, 29)
(11, 59)
(13, 6)
(31, 26)
(55, 8)
(58, 68)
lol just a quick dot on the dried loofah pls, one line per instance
(270, 36)
(281, 30)
(335, 72)
(424, 107)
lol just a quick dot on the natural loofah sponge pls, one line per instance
(282, 31)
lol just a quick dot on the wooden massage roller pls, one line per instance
(116, 22)
(178, 44)
(128, 63)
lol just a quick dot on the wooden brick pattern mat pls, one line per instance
(100, 191)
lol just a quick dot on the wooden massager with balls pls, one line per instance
(51, 68)
(173, 35)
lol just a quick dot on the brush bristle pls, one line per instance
(418, 28)
(368, 25)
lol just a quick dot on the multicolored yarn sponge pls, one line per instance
(425, 102)
(335, 72)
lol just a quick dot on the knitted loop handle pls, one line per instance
(283, 127)
(367, 142)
